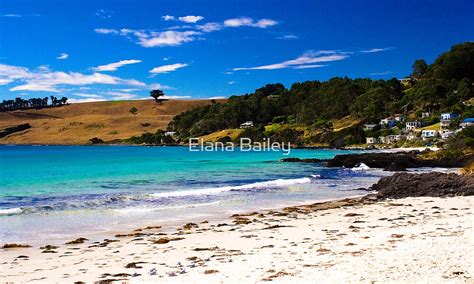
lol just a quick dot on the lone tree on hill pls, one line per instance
(419, 68)
(156, 94)
(133, 111)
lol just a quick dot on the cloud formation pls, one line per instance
(374, 50)
(62, 56)
(304, 61)
(191, 19)
(167, 68)
(114, 66)
(46, 80)
(178, 35)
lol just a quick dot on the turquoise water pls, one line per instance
(53, 191)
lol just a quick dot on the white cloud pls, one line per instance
(190, 19)
(215, 98)
(46, 80)
(106, 31)
(20, 15)
(166, 58)
(121, 96)
(175, 97)
(83, 95)
(209, 27)
(373, 50)
(103, 14)
(85, 100)
(157, 86)
(287, 37)
(306, 60)
(5, 81)
(168, 18)
(167, 38)
(309, 66)
(246, 21)
(114, 66)
(62, 56)
(231, 82)
(167, 68)
(381, 73)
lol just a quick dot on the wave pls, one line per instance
(361, 167)
(217, 190)
(151, 209)
(10, 211)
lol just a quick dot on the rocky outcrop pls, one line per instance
(396, 161)
(434, 184)
(298, 160)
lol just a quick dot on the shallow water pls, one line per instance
(55, 192)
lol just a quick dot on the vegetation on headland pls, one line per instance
(33, 103)
(307, 111)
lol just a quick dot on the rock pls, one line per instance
(433, 184)
(298, 160)
(190, 226)
(77, 241)
(9, 246)
(398, 161)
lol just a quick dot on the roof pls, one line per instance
(469, 119)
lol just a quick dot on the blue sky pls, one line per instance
(108, 50)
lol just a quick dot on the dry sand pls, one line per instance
(405, 240)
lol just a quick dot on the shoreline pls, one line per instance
(230, 246)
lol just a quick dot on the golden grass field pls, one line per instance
(77, 123)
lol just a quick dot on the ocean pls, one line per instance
(52, 193)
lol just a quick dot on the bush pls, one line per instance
(13, 129)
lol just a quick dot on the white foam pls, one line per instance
(150, 209)
(10, 211)
(361, 167)
(217, 190)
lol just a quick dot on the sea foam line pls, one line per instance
(217, 190)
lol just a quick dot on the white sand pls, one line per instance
(412, 239)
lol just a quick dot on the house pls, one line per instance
(371, 140)
(247, 124)
(170, 133)
(448, 116)
(429, 133)
(412, 125)
(467, 122)
(445, 134)
(388, 122)
(395, 138)
(412, 136)
(446, 119)
(399, 118)
(425, 114)
(369, 126)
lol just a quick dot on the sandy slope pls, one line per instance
(407, 240)
(77, 123)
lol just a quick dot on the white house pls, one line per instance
(467, 122)
(448, 116)
(247, 124)
(412, 125)
(371, 140)
(369, 126)
(395, 138)
(170, 133)
(429, 133)
(412, 136)
(445, 134)
(425, 114)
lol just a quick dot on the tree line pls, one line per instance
(443, 86)
(33, 103)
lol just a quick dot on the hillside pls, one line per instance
(77, 123)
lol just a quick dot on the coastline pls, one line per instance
(293, 243)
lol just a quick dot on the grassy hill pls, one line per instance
(77, 123)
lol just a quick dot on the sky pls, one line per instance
(118, 50)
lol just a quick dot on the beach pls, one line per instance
(425, 239)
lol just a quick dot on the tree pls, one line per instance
(419, 68)
(156, 94)
(134, 112)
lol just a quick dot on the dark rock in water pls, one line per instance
(396, 161)
(393, 167)
(434, 184)
(298, 160)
